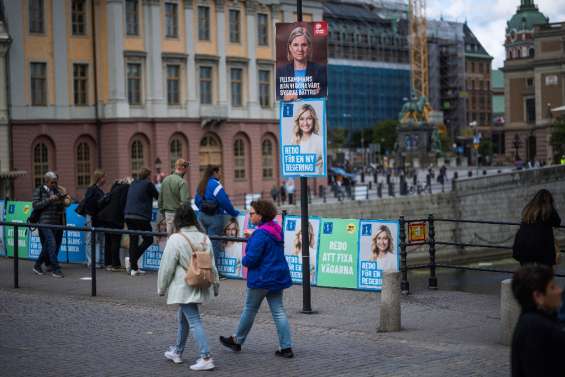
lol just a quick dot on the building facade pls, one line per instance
(498, 106)
(534, 73)
(122, 84)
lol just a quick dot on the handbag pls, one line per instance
(209, 207)
(199, 274)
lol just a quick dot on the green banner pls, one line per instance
(337, 255)
(17, 212)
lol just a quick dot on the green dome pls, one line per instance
(526, 17)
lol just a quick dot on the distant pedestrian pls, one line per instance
(92, 197)
(51, 200)
(283, 192)
(176, 260)
(138, 211)
(174, 192)
(275, 193)
(213, 203)
(268, 275)
(112, 215)
(538, 340)
(290, 189)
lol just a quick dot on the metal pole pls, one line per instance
(432, 281)
(16, 258)
(93, 261)
(404, 284)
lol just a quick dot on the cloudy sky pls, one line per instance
(487, 18)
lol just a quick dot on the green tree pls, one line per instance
(336, 137)
(558, 139)
(385, 133)
(486, 147)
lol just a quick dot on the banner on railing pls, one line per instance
(293, 246)
(17, 212)
(378, 251)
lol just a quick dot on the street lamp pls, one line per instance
(516, 144)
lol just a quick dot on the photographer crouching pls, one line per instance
(50, 200)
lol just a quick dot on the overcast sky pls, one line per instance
(487, 18)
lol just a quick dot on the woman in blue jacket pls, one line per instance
(213, 203)
(268, 275)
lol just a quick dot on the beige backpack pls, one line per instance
(199, 274)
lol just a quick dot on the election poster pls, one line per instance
(17, 212)
(303, 138)
(302, 58)
(337, 255)
(293, 246)
(2, 217)
(230, 258)
(378, 251)
(151, 259)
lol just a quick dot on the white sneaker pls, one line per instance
(128, 264)
(172, 355)
(137, 273)
(202, 364)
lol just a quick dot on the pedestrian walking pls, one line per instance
(268, 275)
(275, 193)
(139, 206)
(290, 189)
(112, 215)
(176, 260)
(213, 203)
(91, 200)
(283, 192)
(174, 192)
(50, 200)
(538, 340)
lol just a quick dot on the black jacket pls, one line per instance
(537, 346)
(139, 203)
(534, 243)
(91, 197)
(112, 215)
(317, 72)
(52, 212)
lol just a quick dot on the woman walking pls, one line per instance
(175, 262)
(267, 276)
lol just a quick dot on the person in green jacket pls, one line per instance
(174, 192)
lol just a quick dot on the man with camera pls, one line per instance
(50, 200)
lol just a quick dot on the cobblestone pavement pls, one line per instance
(52, 327)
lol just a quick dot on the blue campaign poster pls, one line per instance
(230, 258)
(2, 217)
(378, 251)
(73, 246)
(293, 246)
(303, 138)
(152, 257)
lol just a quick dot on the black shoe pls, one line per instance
(286, 353)
(57, 274)
(38, 270)
(230, 343)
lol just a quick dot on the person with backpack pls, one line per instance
(267, 276)
(213, 203)
(92, 197)
(188, 274)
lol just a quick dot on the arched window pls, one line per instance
(239, 158)
(267, 157)
(175, 151)
(137, 157)
(83, 165)
(40, 163)
(210, 152)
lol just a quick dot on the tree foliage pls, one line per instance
(558, 138)
(385, 133)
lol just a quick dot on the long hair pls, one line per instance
(539, 209)
(296, 131)
(231, 221)
(298, 239)
(299, 32)
(185, 216)
(208, 173)
(374, 249)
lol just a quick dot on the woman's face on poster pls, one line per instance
(299, 49)
(382, 241)
(231, 230)
(306, 122)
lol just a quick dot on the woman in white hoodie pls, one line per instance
(175, 261)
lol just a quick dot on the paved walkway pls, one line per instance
(52, 327)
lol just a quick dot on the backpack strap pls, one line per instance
(194, 250)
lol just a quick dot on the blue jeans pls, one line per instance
(99, 245)
(50, 243)
(189, 317)
(252, 303)
(214, 226)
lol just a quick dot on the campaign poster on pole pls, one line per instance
(337, 255)
(230, 257)
(378, 251)
(302, 59)
(303, 138)
(17, 212)
(293, 246)
(2, 217)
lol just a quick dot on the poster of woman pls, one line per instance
(293, 246)
(230, 265)
(378, 251)
(302, 60)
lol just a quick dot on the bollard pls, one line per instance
(432, 280)
(380, 189)
(389, 318)
(509, 312)
(404, 284)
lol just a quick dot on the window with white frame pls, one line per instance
(134, 76)
(236, 78)
(205, 85)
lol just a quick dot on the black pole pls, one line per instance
(404, 284)
(16, 258)
(432, 281)
(93, 261)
